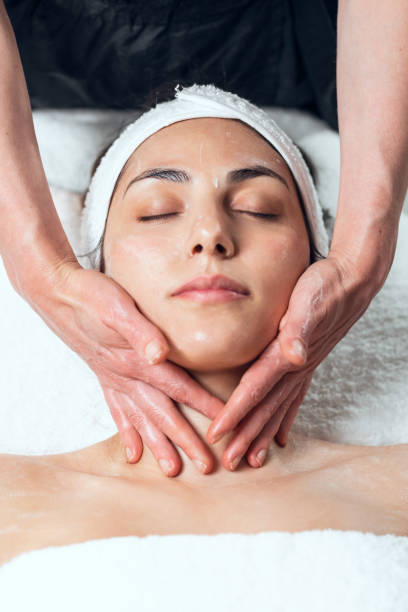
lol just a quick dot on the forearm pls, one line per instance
(372, 83)
(32, 240)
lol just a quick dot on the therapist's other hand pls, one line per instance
(327, 300)
(98, 319)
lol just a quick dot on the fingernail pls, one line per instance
(261, 456)
(165, 465)
(234, 462)
(217, 438)
(200, 465)
(129, 454)
(153, 351)
(299, 349)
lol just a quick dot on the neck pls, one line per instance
(219, 383)
(111, 453)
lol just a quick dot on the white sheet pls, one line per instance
(319, 571)
(52, 403)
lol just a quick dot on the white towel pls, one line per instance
(311, 571)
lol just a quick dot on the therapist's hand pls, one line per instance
(327, 300)
(98, 319)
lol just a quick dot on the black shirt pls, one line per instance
(118, 53)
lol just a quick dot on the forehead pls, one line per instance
(207, 141)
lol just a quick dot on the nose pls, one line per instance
(210, 235)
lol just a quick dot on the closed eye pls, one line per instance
(257, 214)
(157, 217)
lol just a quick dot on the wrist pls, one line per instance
(365, 247)
(375, 189)
(36, 268)
(46, 285)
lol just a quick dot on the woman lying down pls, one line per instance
(207, 222)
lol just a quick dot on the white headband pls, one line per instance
(193, 102)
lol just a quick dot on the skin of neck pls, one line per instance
(220, 384)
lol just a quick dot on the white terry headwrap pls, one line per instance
(191, 103)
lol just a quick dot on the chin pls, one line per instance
(211, 356)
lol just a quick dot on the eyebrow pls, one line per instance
(176, 175)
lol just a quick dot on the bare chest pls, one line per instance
(85, 507)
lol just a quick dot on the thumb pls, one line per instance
(143, 336)
(294, 349)
(300, 319)
(292, 338)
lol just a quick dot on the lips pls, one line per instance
(210, 284)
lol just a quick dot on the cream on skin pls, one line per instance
(165, 231)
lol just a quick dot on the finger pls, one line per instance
(162, 412)
(304, 313)
(293, 347)
(285, 427)
(174, 382)
(257, 381)
(293, 339)
(259, 448)
(283, 433)
(255, 421)
(146, 339)
(164, 452)
(161, 448)
(131, 439)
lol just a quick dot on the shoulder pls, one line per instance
(13, 471)
(30, 488)
(20, 471)
(385, 471)
(393, 457)
(26, 484)
(22, 479)
(17, 482)
(392, 461)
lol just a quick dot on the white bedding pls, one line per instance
(312, 571)
(52, 403)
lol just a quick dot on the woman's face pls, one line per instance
(210, 213)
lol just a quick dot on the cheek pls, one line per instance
(277, 264)
(142, 265)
